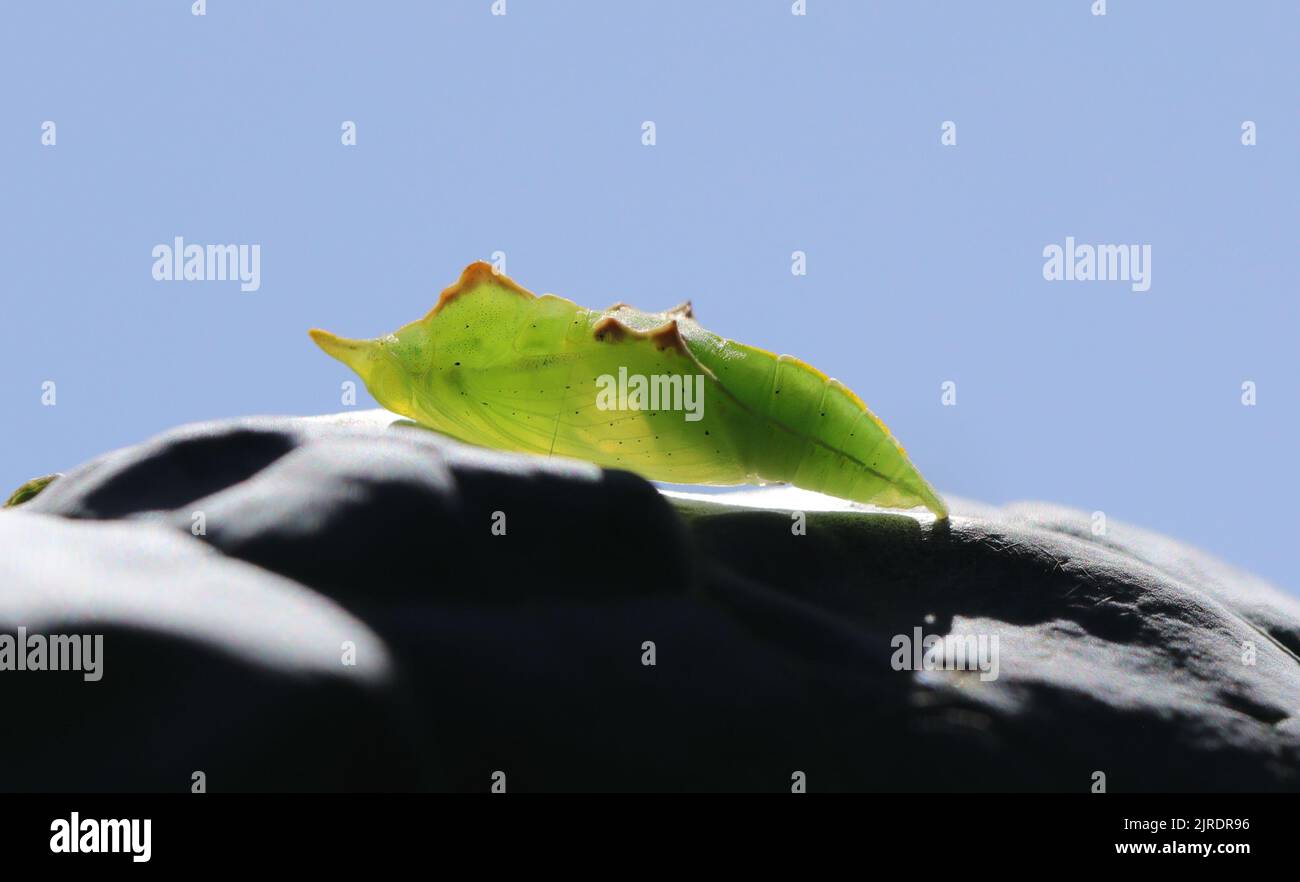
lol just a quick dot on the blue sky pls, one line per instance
(774, 133)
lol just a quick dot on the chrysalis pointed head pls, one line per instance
(353, 353)
(386, 364)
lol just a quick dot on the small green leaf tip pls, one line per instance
(29, 490)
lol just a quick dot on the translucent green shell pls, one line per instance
(495, 365)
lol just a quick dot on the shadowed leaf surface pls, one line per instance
(1120, 653)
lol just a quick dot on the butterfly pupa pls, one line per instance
(651, 392)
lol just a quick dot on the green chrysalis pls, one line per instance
(654, 393)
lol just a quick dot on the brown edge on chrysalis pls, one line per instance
(471, 277)
(666, 336)
(681, 310)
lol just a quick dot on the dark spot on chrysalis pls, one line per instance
(458, 364)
